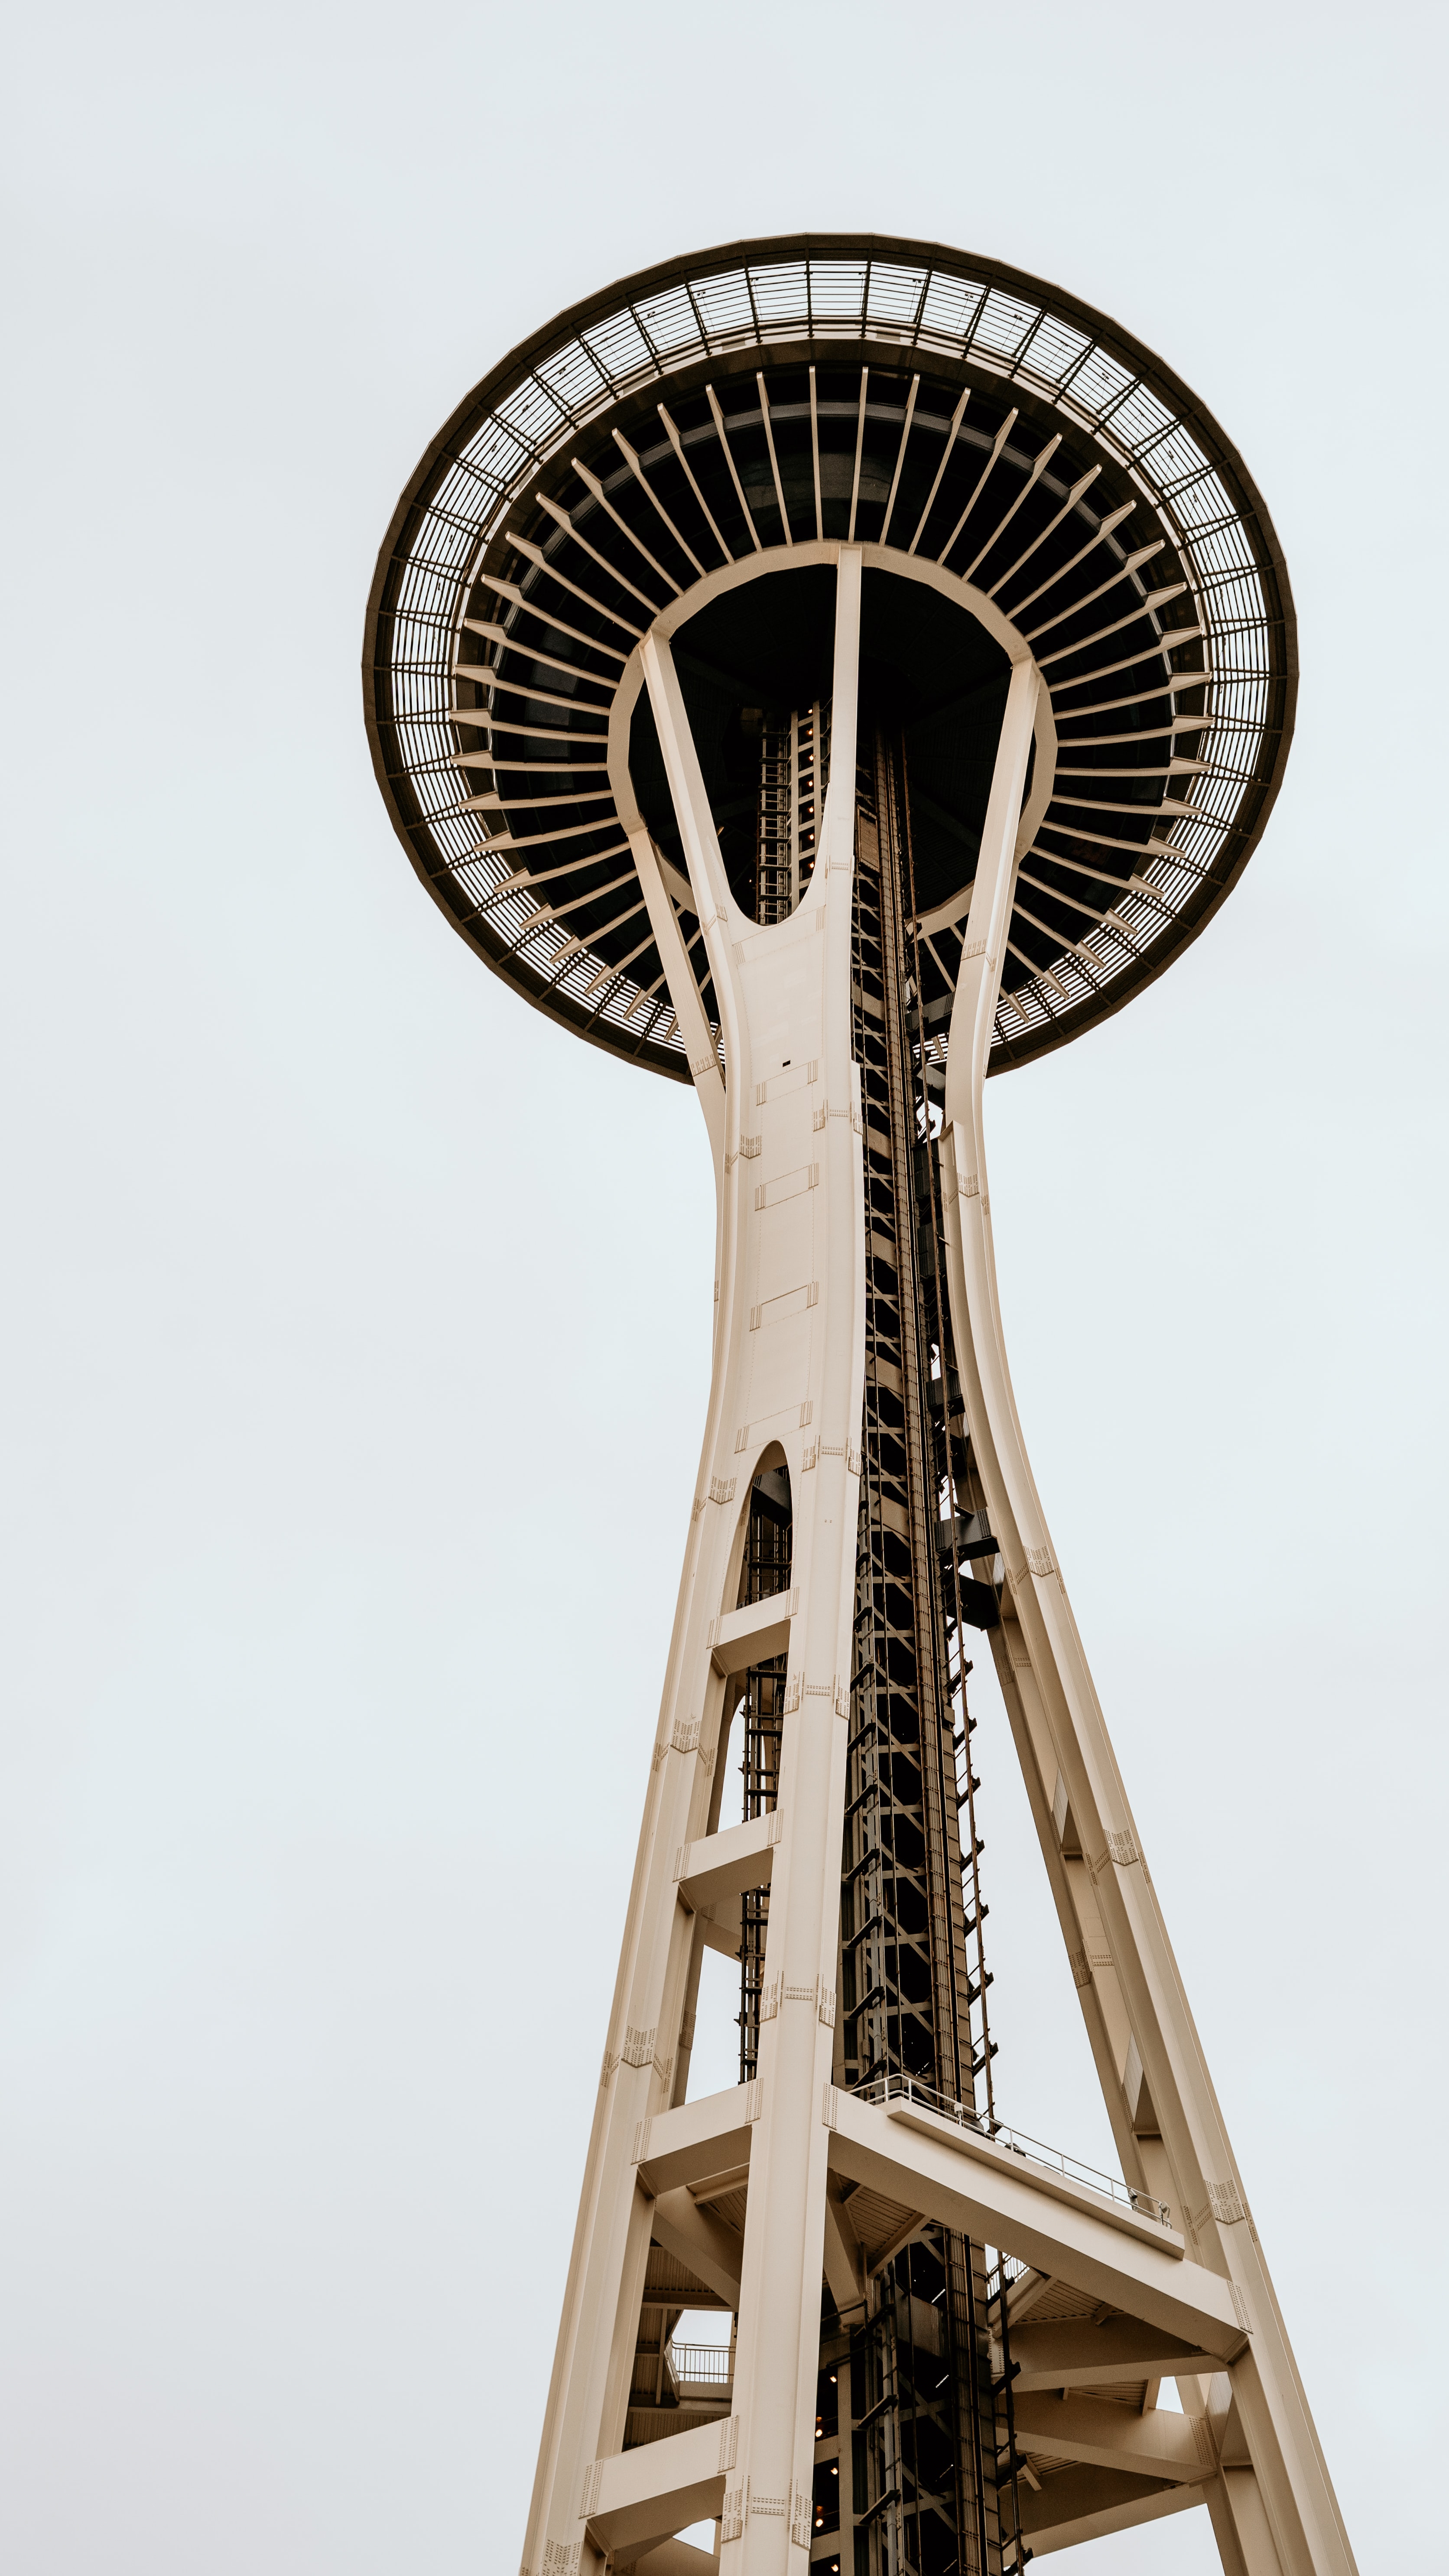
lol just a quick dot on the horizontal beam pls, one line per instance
(1000, 2201)
(739, 1638)
(721, 1865)
(1092, 2503)
(638, 2497)
(697, 2140)
(1073, 2353)
(1099, 2433)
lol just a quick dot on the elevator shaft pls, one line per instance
(910, 2430)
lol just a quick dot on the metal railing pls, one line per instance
(906, 2088)
(703, 2367)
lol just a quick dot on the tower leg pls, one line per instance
(796, 1010)
(822, 2132)
(1159, 2094)
(788, 1382)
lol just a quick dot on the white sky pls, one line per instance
(357, 1318)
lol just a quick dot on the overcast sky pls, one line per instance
(356, 1318)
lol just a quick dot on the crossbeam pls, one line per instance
(697, 2140)
(638, 2497)
(1074, 2353)
(1047, 2221)
(725, 1864)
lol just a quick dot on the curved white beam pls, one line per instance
(1150, 2060)
(788, 1376)
(771, 560)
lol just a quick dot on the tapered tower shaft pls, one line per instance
(840, 1212)
(830, 673)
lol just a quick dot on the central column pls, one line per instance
(794, 1172)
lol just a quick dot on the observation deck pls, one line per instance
(996, 447)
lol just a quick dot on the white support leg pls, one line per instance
(1121, 1947)
(683, 990)
(768, 2504)
(789, 1364)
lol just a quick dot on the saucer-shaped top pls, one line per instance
(769, 400)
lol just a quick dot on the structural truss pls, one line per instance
(830, 672)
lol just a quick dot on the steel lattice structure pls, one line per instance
(829, 671)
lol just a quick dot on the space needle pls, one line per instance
(829, 671)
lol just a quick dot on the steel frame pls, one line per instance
(1189, 2292)
(864, 407)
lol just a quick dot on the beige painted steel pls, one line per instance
(1165, 2116)
(787, 1382)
